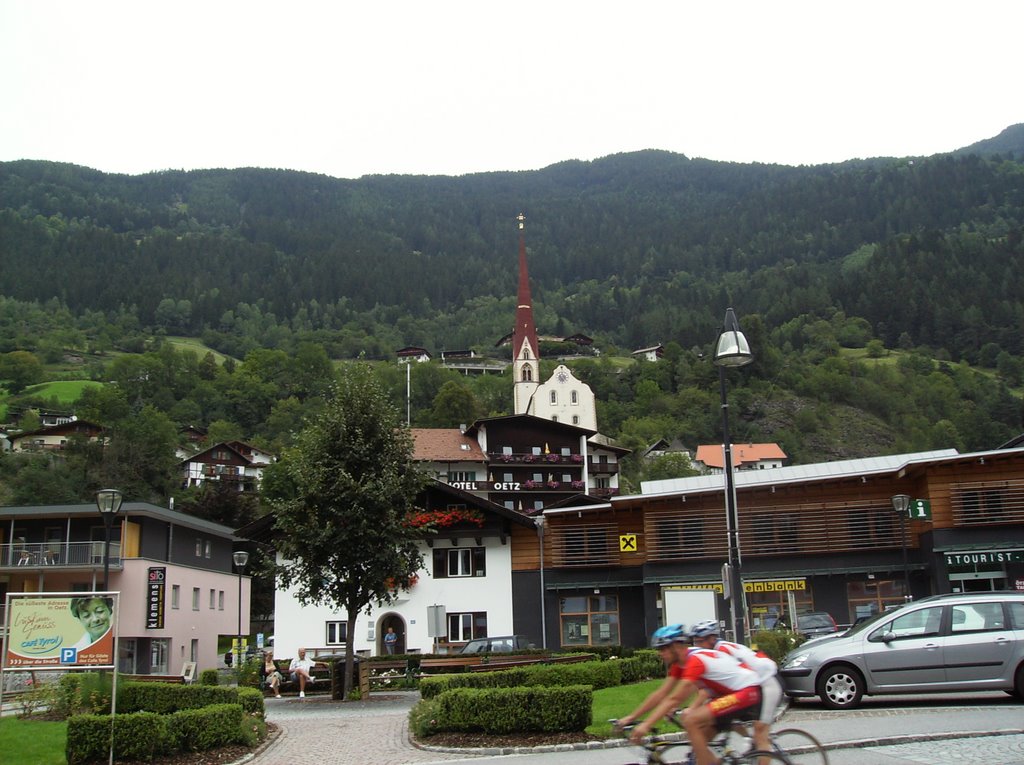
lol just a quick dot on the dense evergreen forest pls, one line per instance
(882, 297)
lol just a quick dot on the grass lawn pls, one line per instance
(36, 743)
(195, 344)
(612, 703)
(66, 391)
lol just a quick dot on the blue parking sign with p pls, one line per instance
(68, 655)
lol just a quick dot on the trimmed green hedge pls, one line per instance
(644, 664)
(165, 698)
(596, 674)
(144, 735)
(508, 710)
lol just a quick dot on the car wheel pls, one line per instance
(840, 687)
(1018, 684)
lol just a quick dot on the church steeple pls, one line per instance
(525, 349)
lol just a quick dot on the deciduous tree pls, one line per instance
(350, 484)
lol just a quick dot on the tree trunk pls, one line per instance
(350, 653)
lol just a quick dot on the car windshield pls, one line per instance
(815, 620)
(871, 621)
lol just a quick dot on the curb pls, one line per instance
(615, 743)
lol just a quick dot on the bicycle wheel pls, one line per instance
(757, 757)
(800, 747)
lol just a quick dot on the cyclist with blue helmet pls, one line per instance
(663, 640)
(715, 688)
(705, 634)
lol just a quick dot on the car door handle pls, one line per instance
(930, 646)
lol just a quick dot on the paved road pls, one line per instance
(962, 729)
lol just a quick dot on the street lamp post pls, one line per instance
(108, 502)
(241, 558)
(732, 350)
(901, 503)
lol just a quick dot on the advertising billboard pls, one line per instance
(56, 631)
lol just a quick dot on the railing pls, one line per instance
(537, 459)
(604, 468)
(36, 554)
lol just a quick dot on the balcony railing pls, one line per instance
(57, 554)
(537, 459)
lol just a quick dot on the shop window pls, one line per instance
(159, 651)
(589, 620)
(873, 596)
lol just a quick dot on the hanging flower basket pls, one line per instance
(577, 458)
(553, 458)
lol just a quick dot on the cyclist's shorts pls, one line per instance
(742, 705)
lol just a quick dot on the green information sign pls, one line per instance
(920, 510)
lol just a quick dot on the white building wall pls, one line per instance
(182, 624)
(554, 399)
(299, 626)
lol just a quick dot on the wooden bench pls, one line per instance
(321, 671)
(176, 679)
(447, 663)
(512, 662)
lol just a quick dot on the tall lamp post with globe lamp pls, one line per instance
(901, 503)
(241, 559)
(732, 350)
(108, 502)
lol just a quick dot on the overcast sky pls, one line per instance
(452, 87)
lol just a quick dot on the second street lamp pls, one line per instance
(108, 502)
(241, 559)
(732, 350)
(901, 504)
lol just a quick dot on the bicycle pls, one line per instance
(656, 745)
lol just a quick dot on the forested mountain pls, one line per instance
(913, 261)
(631, 249)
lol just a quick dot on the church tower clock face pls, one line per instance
(562, 377)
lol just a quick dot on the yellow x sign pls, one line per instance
(627, 543)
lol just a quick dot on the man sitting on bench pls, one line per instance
(302, 670)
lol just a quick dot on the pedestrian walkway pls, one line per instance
(375, 732)
(370, 732)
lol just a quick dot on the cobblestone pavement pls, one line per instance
(373, 732)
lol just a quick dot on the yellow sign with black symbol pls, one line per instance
(627, 543)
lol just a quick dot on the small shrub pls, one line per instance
(423, 719)
(196, 730)
(249, 674)
(777, 643)
(508, 710)
(208, 677)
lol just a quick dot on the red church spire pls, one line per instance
(525, 358)
(524, 337)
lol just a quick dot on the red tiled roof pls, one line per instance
(742, 454)
(445, 445)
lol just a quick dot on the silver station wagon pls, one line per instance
(959, 642)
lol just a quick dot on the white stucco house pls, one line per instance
(467, 570)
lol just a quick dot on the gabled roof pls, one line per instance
(238, 447)
(445, 445)
(472, 429)
(412, 350)
(262, 529)
(742, 454)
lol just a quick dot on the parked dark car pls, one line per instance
(959, 642)
(815, 623)
(503, 644)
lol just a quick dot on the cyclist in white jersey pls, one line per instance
(705, 635)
